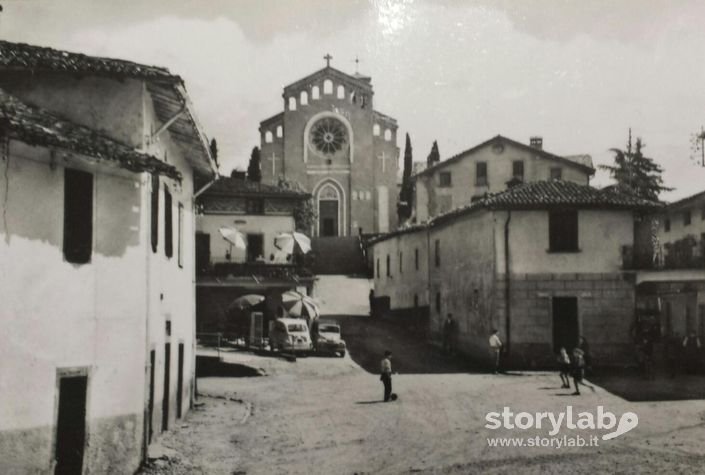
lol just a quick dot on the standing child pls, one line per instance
(579, 371)
(564, 368)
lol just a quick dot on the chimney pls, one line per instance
(536, 142)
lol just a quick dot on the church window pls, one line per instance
(375, 129)
(304, 98)
(328, 135)
(387, 135)
(268, 137)
(341, 92)
(444, 179)
(481, 173)
(327, 86)
(292, 103)
(315, 92)
(78, 216)
(280, 131)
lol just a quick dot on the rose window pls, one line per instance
(328, 135)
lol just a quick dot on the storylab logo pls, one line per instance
(568, 419)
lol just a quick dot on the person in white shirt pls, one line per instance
(386, 376)
(495, 348)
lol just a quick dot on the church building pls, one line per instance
(330, 139)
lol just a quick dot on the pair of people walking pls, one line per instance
(573, 366)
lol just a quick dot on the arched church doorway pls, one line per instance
(328, 210)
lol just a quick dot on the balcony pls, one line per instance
(256, 270)
(684, 254)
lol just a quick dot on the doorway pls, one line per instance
(165, 396)
(565, 323)
(255, 247)
(203, 251)
(328, 210)
(180, 381)
(150, 401)
(71, 425)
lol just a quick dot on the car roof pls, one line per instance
(292, 320)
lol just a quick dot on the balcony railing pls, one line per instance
(674, 257)
(255, 269)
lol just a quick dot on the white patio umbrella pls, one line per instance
(299, 305)
(287, 241)
(233, 236)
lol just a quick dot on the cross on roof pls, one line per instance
(328, 57)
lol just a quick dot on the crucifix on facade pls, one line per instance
(384, 158)
(273, 158)
(328, 57)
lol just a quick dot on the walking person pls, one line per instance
(449, 335)
(386, 376)
(495, 349)
(564, 368)
(579, 371)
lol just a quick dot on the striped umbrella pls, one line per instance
(299, 305)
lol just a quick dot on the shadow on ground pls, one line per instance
(212, 366)
(368, 338)
(630, 385)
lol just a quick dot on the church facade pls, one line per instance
(330, 139)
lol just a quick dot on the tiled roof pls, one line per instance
(240, 187)
(553, 194)
(38, 58)
(36, 126)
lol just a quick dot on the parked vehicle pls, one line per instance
(326, 338)
(290, 334)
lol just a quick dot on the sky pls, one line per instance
(577, 73)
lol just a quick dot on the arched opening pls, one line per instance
(329, 207)
(280, 131)
(315, 92)
(292, 103)
(268, 137)
(387, 135)
(341, 92)
(375, 130)
(304, 98)
(327, 86)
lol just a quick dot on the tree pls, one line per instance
(635, 173)
(406, 194)
(433, 157)
(254, 173)
(214, 150)
(304, 212)
(697, 145)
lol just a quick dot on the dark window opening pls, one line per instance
(155, 212)
(254, 206)
(168, 225)
(444, 179)
(437, 245)
(666, 225)
(556, 173)
(180, 236)
(78, 216)
(686, 218)
(71, 424)
(255, 247)
(416, 259)
(401, 260)
(166, 394)
(481, 173)
(378, 267)
(563, 231)
(180, 383)
(518, 170)
(389, 266)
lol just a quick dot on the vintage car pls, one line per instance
(326, 338)
(290, 334)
